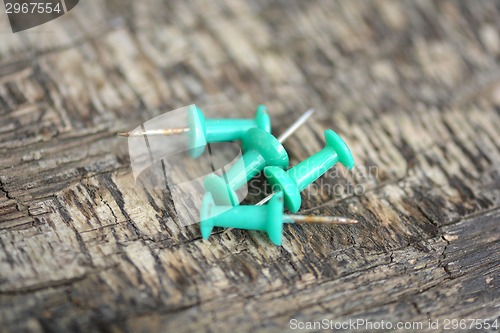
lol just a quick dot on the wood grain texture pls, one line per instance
(412, 86)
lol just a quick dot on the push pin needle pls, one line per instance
(156, 132)
(318, 219)
(299, 122)
(268, 218)
(311, 218)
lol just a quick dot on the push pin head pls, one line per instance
(335, 142)
(293, 181)
(197, 130)
(268, 218)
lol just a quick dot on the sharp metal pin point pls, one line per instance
(202, 131)
(266, 199)
(297, 123)
(268, 218)
(261, 149)
(293, 181)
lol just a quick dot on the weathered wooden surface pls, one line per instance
(413, 87)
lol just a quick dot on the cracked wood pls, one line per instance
(413, 87)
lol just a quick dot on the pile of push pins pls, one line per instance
(261, 152)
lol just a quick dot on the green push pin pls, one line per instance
(261, 149)
(293, 181)
(202, 131)
(268, 218)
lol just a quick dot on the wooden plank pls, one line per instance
(413, 87)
